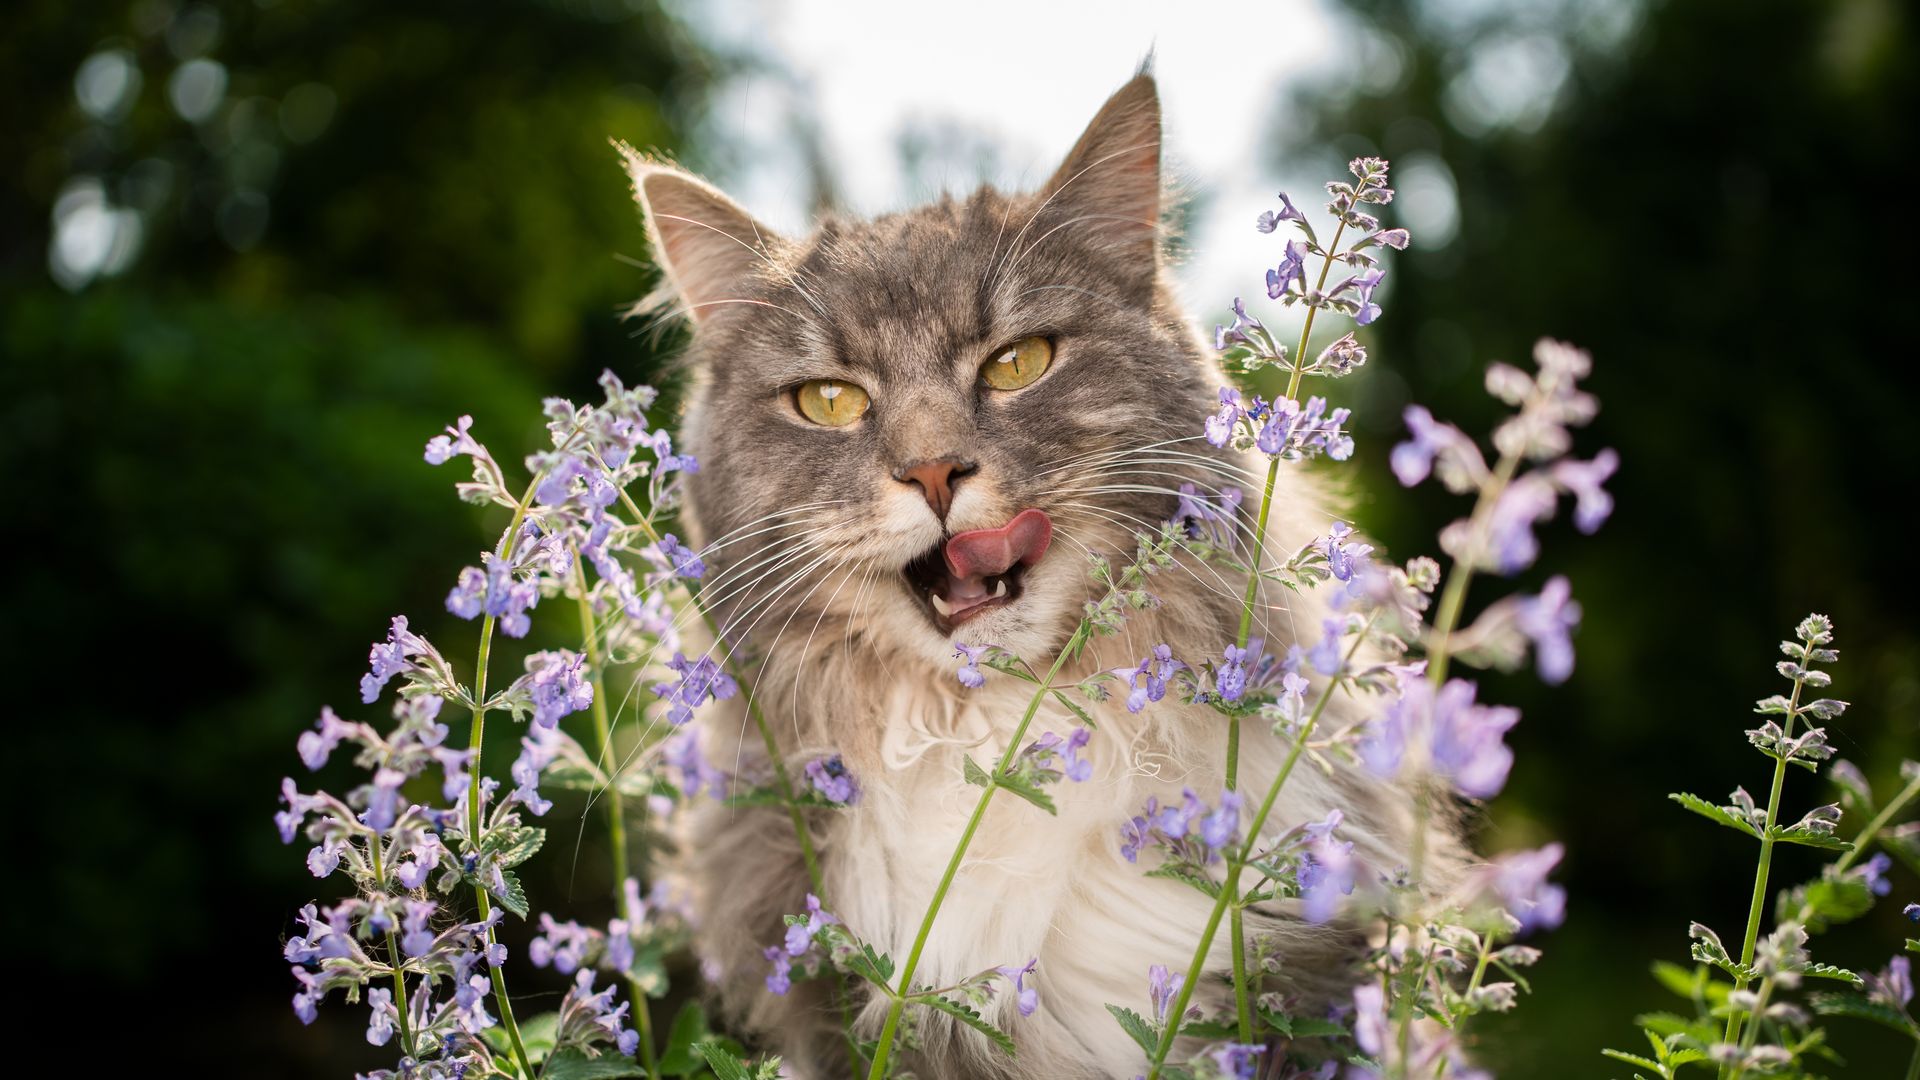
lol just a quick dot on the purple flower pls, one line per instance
(1203, 519)
(1341, 552)
(1241, 332)
(1078, 768)
(1363, 285)
(1463, 738)
(442, 448)
(380, 1027)
(306, 1003)
(1162, 987)
(494, 591)
(1238, 1061)
(1520, 880)
(383, 799)
(415, 938)
(780, 979)
(800, 935)
(1873, 874)
(556, 685)
(1221, 424)
(1270, 220)
(677, 557)
(1222, 827)
(682, 753)
(1294, 431)
(538, 748)
(1340, 357)
(700, 681)
(1326, 656)
(1231, 680)
(1396, 239)
(1326, 870)
(970, 675)
(317, 745)
(288, 820)
(1370, 1028)
(1293, 265)
(564, 945)
(1434, 443)
(1147, 680)
(1582, 479)
(1912, 912)
(1893, 985)
(1547, 619)
(829, 777)
(390, 657)
(1026, 998)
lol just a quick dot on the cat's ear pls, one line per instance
(1109, 186)
(705, 243)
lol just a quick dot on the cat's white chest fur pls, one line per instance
(1033, 884)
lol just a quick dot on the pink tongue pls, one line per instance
(982, 553)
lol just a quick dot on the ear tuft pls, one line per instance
(1111, 179)
(707, 246)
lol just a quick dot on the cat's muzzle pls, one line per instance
(974, 572)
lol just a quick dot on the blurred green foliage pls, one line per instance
(392, 212)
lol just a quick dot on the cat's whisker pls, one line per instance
(1120, 516)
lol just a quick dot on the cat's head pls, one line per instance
(867, 393)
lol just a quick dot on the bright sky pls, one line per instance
(1021, 79)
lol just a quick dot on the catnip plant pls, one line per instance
(428, 840)
(1746, 1017)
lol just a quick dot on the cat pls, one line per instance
(863, 396)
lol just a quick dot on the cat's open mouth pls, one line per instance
(974, 572)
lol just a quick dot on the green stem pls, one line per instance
(473, 823)
(1759, 901)
(393, 957)
(1865, 839)
(1243, 1007)
(783, 781)
(891, 1027)
(1913, 1066)
(1453, 598)
(1242, 1001)
(616, 811)
(1480, 969)
(1236, 860)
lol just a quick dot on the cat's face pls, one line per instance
(918, 427)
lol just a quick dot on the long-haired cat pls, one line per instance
(1014, 370)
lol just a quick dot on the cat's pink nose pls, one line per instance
(936, 480)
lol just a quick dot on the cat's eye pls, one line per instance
(830, 402)
(1018, 365)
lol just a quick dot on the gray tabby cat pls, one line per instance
(913, 430)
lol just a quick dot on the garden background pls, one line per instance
(253, 254)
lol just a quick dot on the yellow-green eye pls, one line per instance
(1018, 364)
(830, 402)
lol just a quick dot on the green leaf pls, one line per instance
(964, 1013)
(689, 1027)
(1828, 971)
(724, 1065)
(1825, 901)
(1713, 813)
(1800, 834)
(1085, 717)
(1684, 981)
(1861, 1007)
(536, 1035)
(514, 845)
(974, 773)
(1206, 1029)
(1707, 949)
(572, 1064)
(1635, 1059)
(1182, 872)
(1137, 1028)
(875, 967)
(1027, 791)
(515, 898)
